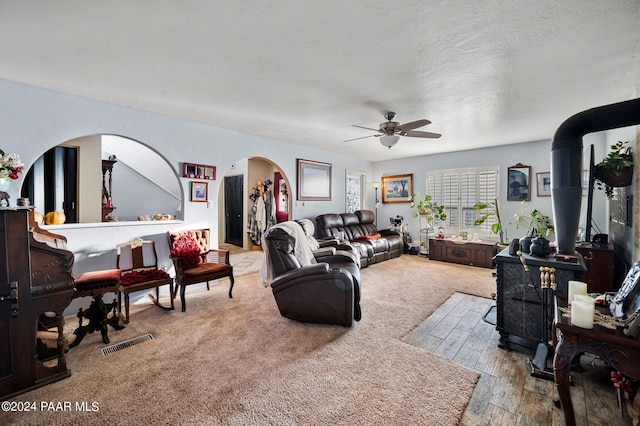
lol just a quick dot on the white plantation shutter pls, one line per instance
(467, 197)
(487, 193)
(459, 189)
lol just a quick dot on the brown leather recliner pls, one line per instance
(316, 293)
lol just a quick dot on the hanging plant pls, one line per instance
(616, 169)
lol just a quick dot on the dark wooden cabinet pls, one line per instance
(600, 263)
(107, 183)
(35, 287)
(519, 295)
(474, 253)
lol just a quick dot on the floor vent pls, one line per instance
(126, 344)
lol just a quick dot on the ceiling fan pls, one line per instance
(390, 131)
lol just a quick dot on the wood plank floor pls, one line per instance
(506, 394)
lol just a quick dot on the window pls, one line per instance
(354, 190)
(459, 189)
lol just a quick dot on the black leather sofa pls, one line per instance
(360, 230)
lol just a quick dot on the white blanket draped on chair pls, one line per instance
(302, 250)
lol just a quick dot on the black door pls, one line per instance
(233, 202)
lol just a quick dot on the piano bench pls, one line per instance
(96, 284)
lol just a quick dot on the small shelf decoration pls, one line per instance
(616, 169)
(198, 171)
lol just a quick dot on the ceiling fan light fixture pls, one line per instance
(389, 140)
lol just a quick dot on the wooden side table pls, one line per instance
(474, 253)
(600, 262)
(613, 346)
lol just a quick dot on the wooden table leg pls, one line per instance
(565, 351)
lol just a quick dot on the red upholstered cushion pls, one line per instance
(207, 268)
(106, 277)
(144, 275)
(369, 237)
(186, 248)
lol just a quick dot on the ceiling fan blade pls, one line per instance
(413, 125)
(366, 128)
(416, 134)
(363, 137)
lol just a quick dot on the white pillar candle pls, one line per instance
(475, 236)
(582, 313)
(576, 287)
(583, 298)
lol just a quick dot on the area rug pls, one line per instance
(237, 361)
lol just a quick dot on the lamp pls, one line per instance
(376, 185)
(389, 140)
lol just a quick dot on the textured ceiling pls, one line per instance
(485, 73)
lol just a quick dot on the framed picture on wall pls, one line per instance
(396, 189)
(199, 191)
(519, 183)
(314, 180)
(544, 184)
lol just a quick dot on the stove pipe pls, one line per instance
(566, 163)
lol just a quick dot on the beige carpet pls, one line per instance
(246, 262)
(237, 361)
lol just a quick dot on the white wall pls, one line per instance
(34, 119)
(534, 154)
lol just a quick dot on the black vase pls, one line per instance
(525, 244)
(540, 247)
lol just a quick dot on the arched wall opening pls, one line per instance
(235, 213)
(71, 177)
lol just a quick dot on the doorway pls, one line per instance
(52, 182)
(281, 197)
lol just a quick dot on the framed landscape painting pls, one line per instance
(314, 180)
(397, 188)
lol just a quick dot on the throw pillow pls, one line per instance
(187, 249)
(369, 237)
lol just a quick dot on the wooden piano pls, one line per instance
(36, 286)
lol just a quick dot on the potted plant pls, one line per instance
(616, 169)
(537, 225)
(490, 209)
(429, 208)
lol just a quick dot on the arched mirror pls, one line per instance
(101, 178)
